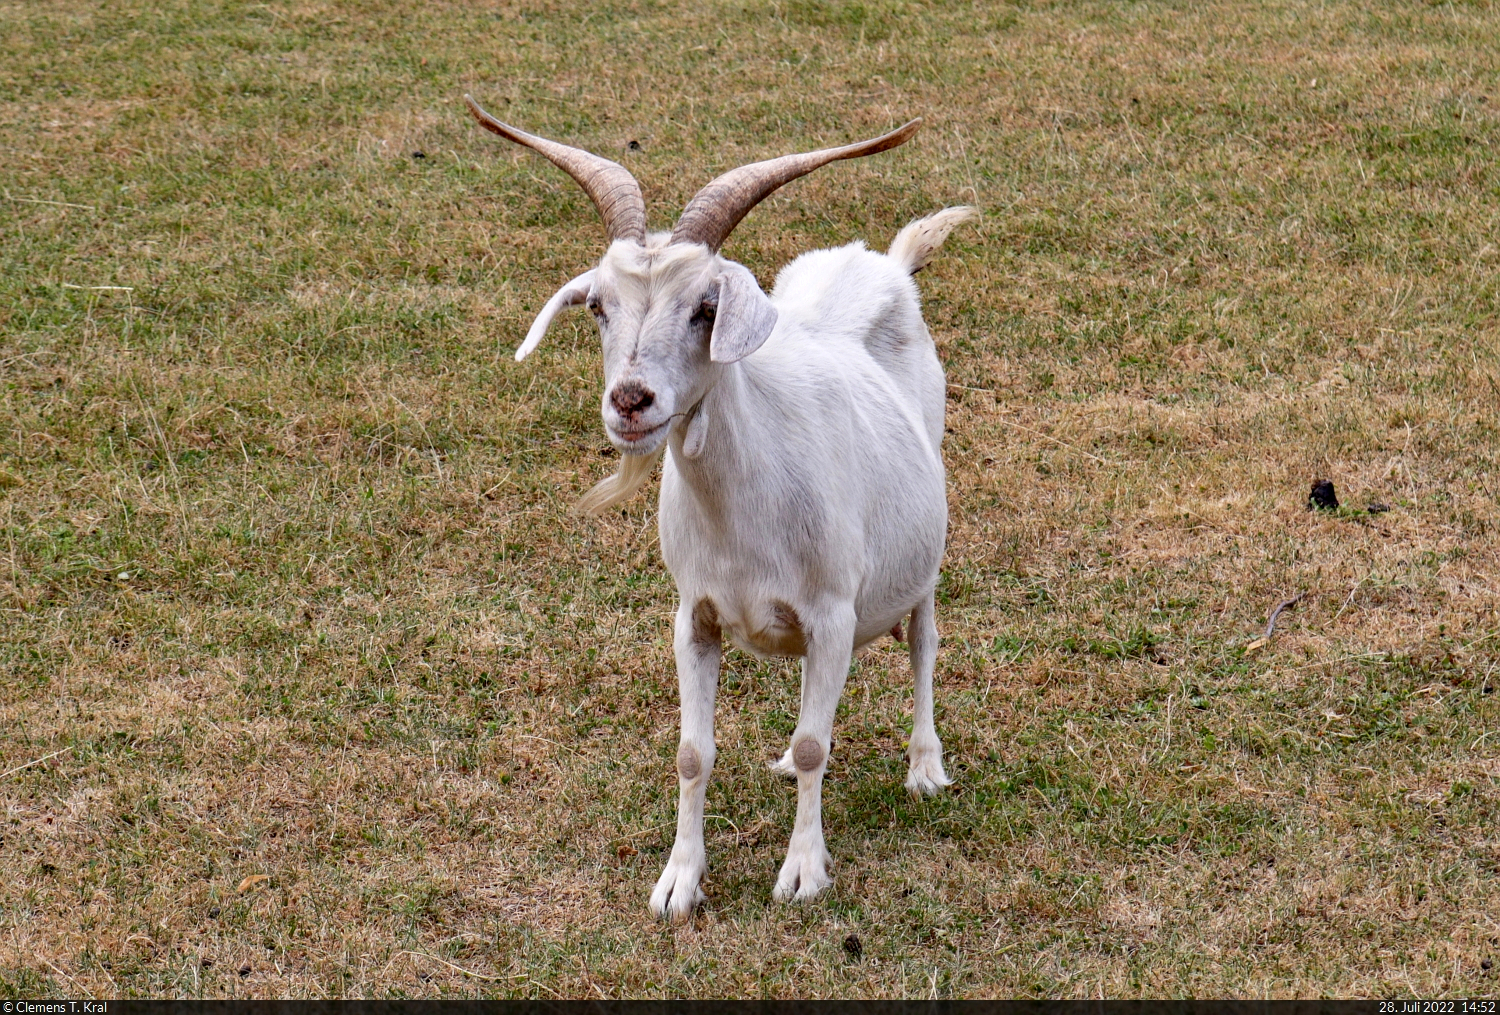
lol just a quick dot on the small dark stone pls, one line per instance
(245, 970)
(1378, 509)
(1486, 964)
(853, 947)
(1322, 497)
(213, 913)
(634, 145)
(206, 963)
(1488, 689)
(419, 155)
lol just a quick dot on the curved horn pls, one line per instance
(608, 184)
(715, 210)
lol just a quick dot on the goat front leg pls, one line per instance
(925, 775)
(698, 644)
(824, 670)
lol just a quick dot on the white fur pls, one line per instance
(572, 294)
(803, 507)
(914, 246)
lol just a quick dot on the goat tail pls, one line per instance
(914, 246)
(634, 471)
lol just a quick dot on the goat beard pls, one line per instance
(634, 471)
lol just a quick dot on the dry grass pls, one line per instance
(289, 579)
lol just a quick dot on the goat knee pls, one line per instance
(808, 755)
(689, 763)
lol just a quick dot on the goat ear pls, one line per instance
(744, 318)
(572, 294)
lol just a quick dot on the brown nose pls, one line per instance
(631, 397)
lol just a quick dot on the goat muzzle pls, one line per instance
(631, 398)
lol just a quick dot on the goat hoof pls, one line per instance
(677, 894)
(926, 776)
(784, 766)
(804, 875)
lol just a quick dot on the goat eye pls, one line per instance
(706, 312)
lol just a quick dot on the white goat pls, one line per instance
(803, 509)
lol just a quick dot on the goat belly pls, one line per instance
(777, 630)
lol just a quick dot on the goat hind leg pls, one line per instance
(698, 646)
(925, 775)
(786, 766)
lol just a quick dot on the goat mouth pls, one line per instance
(641, 436)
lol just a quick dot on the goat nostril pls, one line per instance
(631, 397)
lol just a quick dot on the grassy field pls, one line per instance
(325, 692)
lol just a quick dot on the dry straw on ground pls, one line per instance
(289, 588)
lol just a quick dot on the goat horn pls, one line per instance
(715, 210)
(608, 184)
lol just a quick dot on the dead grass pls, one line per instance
(289, 585)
